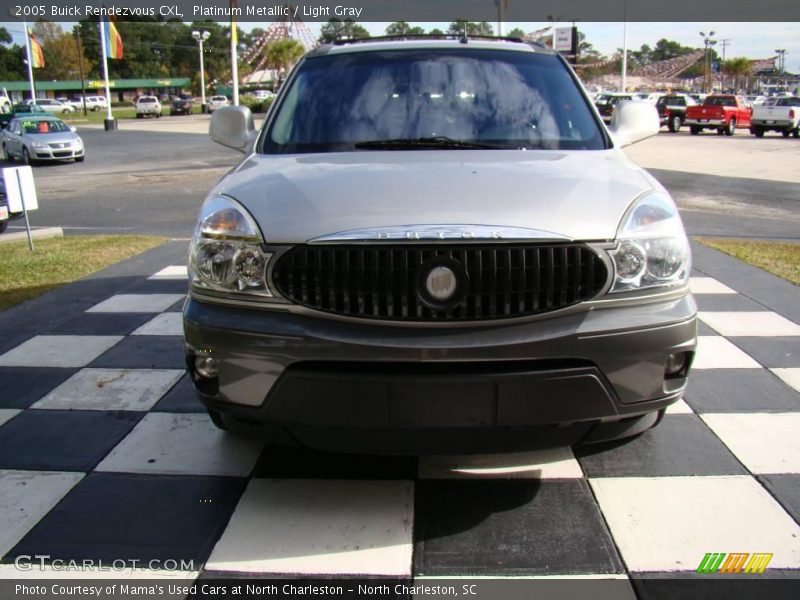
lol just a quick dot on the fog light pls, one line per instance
(676, 363)
(205, 366)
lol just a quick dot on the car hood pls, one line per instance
(59, 137)
(581, 195)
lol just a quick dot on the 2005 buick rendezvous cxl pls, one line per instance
(435, 245)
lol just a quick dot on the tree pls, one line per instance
(60, 49)
(336, 29)
(436, 31)
(473, 27)
(516, 32)
(739, 69)
(403, 28)
(283, 54)
(11, 66)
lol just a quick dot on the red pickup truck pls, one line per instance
(721, 112)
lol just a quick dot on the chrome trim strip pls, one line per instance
(450, 232)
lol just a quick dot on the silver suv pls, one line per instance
(437, 246)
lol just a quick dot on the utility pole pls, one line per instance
(724, 43)
(77, 33)
(707, 42)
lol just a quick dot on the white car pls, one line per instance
(216, 102)
(53, 106)
(148, 106)
(93, 103)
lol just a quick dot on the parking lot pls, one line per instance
(106, 454)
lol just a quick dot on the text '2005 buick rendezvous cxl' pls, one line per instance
(436, 245)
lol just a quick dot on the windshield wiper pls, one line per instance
(433, 143)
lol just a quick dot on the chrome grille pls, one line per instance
(382, 281)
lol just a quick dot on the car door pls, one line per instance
(14, 138)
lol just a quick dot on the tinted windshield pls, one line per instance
(37, 127)
(507, 99)
(147, 100)
(789, 102)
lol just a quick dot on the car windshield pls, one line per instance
(791, 101)
(218, 98)
(476, 98)
(147, 100)
(37, 127)
(720, 101)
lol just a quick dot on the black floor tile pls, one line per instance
(506, 528)
(102, 324)
(62, 440)
(739, 390)
(786, 488)
(703, 329)
(158, 286)
(182, 398)
(136, 517)
(771, 351)
(22, 386)
(773, 584)
(177, 307)
(304, 463)
(144, 352)
(679, 445)
(726, 303)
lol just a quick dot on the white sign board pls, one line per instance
(562, 41)
(19, 184)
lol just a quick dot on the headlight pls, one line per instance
(226, 254)
(78, 141)
(653, 250)
(39, 145)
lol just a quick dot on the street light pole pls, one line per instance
(724, 43)
(623, 80)
(77, 33)
(202, 37)
(707, 41)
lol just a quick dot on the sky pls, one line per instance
(753, 40)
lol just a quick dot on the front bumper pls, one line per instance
(329, 384)
(57, 153)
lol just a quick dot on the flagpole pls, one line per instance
(30, 62)
(109, 123)
(234, 55)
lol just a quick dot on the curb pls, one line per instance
(36, 234)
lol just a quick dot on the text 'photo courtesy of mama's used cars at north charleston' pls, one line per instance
(437, 246)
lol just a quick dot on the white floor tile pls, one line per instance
(708, 285)
(716, 352)
(760, 323)
(669, 523)
(137, 303)
(321, 527)
(171, 272)
(6, 414)
(763, 442)
(790, 376)
(182, 444)
(26, 497)
(679, 408)
(58, 351)
(111, 389)
(182, 578)
(556, 463)
(170, 323)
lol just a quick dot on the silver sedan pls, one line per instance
(45, 138)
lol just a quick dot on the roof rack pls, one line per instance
(427, 36)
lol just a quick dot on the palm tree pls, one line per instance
(282, 56)
(740, 69)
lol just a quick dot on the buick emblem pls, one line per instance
(441, 283)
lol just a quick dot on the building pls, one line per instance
(121, 89)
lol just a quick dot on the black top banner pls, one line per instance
(407, 10)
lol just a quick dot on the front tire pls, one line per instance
(731, 128)
(786, 133)
(675, 124)
(216, 418)
(6, 155)
(694, 130)
(3, 225)
(26, 157)
(80, 158)
(757, 131)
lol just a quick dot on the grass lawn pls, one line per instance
(54, 262)
(781, 259)
(122, 112)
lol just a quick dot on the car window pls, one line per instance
(719, 101)
(509, 99)
(147, 100)
(218, 98)
(789, 102)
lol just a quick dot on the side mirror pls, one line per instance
(73, 129)
(633, 122)
(233, 126)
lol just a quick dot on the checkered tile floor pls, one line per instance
(106, 454)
